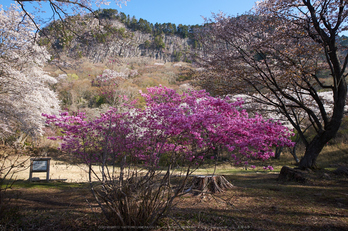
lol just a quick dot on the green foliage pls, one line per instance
(109, 33)
(79, 54)
(44, 41)
(185, 31)
(72, 77)
(147, 44)
(195, 44)
(101, 38)
(106, 13)
(133, 23)
(143, 26)
(177, 56)
(187, 60)
(122, 32)
(122, 17)
(158, 42)
(99, 100)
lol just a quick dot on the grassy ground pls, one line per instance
(256, 202)
(260, 202)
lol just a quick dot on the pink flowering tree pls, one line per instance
(201, 122)
(179, 128)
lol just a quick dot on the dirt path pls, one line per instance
(59, 170)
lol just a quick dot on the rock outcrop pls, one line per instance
(128, 44)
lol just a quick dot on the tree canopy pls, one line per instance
(277, 55)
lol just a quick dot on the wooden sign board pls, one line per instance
(39, 165)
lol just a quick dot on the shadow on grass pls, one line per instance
(257, 202)
(43, 184)
(55, 206)
(252, 219)
(260, 202)
(330, 191)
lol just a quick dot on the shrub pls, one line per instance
(177, 130)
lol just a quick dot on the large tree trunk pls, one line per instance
(311, 154)
(320, 140)
(331, 126)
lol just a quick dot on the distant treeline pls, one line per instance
(143, 25)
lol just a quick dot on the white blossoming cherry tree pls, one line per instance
(281, 52)
(24, 86)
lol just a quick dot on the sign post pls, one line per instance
(40, 165)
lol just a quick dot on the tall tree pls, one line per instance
(24, 86)
(278, 55)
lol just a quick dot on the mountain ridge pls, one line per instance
(100, 38)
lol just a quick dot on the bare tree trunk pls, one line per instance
(293, 149)
(293, 153)
(278, 151)
(317, 144)
(331, 127)
(311, 154)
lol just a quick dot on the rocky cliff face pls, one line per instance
(133, 44)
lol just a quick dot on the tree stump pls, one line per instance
(213, 184)
(290, 174)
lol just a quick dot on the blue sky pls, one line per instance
(187, 12)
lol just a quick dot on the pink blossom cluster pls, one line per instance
(186, 126)
(268, 168)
